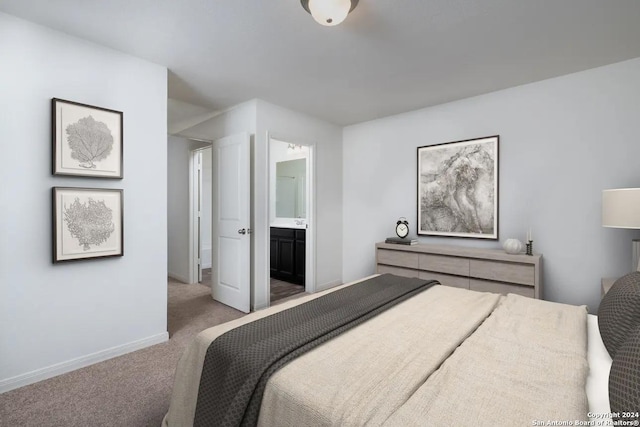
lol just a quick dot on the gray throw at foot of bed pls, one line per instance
(238, 364)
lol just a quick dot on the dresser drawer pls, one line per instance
(444, 264)
(445, 279)
(502, 272)
(398, 258)
(501, 288)
(398, 271)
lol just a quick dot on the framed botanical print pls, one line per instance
(458, 189)
(87, 223)
(87, 140)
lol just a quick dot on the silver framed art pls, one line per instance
(87, 140)
(87, 223)
(458, 189)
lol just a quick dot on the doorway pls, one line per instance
(200, 212)
(291, 238)
(219, 235)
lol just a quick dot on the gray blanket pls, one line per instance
(239, 363)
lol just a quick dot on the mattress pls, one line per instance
(599, 367)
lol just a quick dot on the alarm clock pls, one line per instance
(402, 228)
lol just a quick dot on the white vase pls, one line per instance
(513, 246)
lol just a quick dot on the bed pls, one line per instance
(445, 356)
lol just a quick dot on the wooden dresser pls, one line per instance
(486, 270)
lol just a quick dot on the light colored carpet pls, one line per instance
(131, 390)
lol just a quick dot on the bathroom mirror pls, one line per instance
(291, 176)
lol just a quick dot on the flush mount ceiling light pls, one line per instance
(329, 12)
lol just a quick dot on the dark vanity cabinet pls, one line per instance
(288, 254)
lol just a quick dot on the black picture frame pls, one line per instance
(88, 141)
(87, 223)
(458, 189)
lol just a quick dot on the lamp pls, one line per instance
(621, 209)
(329, 12)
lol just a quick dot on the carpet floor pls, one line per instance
(132, 390)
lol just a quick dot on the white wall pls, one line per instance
(239, 119)
(562, 141)
(327, 138)
(179, 154)
(55, 318)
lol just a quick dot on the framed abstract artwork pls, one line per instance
(458, 189)
(87, 223)
(87, 140)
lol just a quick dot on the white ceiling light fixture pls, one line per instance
(329, 12)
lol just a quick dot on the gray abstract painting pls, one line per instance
(458, 189)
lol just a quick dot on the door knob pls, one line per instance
(242, 231)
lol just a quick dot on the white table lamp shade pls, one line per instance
(621, 208)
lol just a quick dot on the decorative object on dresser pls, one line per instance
(512, 246)
(489, 270)
(621, 209)
(529, 248)
(87, 223)
(401, 241)
(402, 227)
(529, 243)
(87, 140)
(402, 231)
(458, 189)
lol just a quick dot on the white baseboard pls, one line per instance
(80, 362)
(328, 285)
(178, 277)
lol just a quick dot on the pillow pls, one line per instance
(624, 380)
(619, 312)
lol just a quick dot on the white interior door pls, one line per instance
(199, 160)
(231, 243)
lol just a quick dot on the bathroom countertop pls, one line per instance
(289, 225)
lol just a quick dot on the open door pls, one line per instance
(231, 240)
(198, 160)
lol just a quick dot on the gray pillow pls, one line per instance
(619, 312)
(624, 379)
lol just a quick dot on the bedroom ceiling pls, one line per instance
(387, 57)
